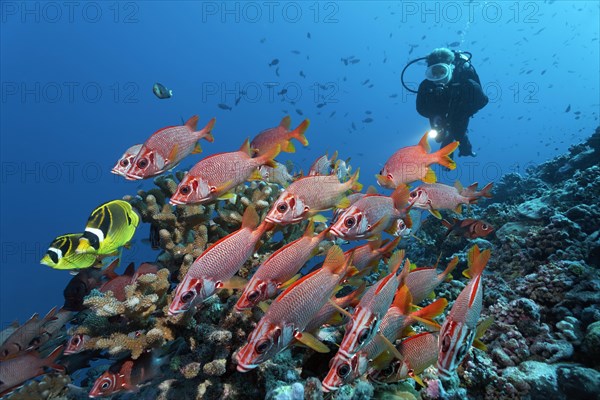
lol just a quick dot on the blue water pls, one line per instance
(77, 91)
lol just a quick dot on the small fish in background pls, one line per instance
(124, 163)
(412, 163)
(161, 91)
(368, 120)
(224, 106)
(302, 74)
(568, 108)
(61, 254)
(167, 147)
(468, 228)
(76, 344)
(460, 329)
(110, 226)
(281, 136)
(308, 35)
(453, 44)
(274, 62)
(17, 370)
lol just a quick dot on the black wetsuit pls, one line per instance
(453, 104)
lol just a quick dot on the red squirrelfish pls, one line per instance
(309, 195)
(371, 215)
(323, 165)
(214, 268)
(412, 163)
(17, 370)
(20, 339)
(418, 353)
(396, 320)
(51, 329)
(372, 308)
(127, 375)
(215, 175)
(76, 343)
(422, 281)
(166, 148)
(460, 327)
(281, 135)
(82, 284)
(437, 196)
(286, 320)
(117, 284)
(124, 163)
(279, 268)
(468, 228)
(368, 255)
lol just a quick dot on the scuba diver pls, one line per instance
(449, 96)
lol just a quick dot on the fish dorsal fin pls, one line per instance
(192, 123)
(372, 190)
(458, 186)
(451, 265)
(130, 270)
(335, 259)
(400, 197)
(402, 300)
(375, 244)
(390, 246)
(250, 218)
(310, 229)
(109, 271)
(246, 147)
(395, 261)
(424, 143)
(286, 122)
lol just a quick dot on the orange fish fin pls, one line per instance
(390, 346)
(319, 218)
(286, 122)
(487, 190)
(433, 310)
(255, 176)
(250, 218)
(264, 306)
(430, 176)
(299, 132)
(288, 147)
(197, 149)
(173, 153)
(376, 244)
(335, 261)
(380, 225)
(192, 122)
(355, 185)
(403, 299)
(268, 157)
(290, 281)
(310, 229)
(416, 378)
(478, 344)
(207, 131)
(435, 213)
(451, 265)
(442, 156)
(424, 143)
(458, 209)
(483, 326)
(309, 340)
(344, 202)
(335, 320)
(372, 190)
(400, 197)
(246, 148)
(237, 282)
(395, 261)
(390, 246)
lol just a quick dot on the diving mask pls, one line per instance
(439, 73)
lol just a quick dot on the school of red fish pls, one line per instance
(390, 331)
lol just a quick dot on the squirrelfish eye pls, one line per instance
(253, 295)
(187, 296)
(76, 340)
(124, 162)
(446, 343)
(142, 163)
(282, 207)
(484, 227)
(349, 222)
(105, 385)
(413, 194)
(262, 346)
(343, 370)
(363, 335)
(185, 190)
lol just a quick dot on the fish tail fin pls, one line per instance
(403, 299)
(487, 190)
(400, 196)
(50, 360)
(51, 315)
(192, 122)
(353, 182)
(250, 219)
(268, 157)
(477, 260)
(207, 131)
(299, 132)
(442, 156)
